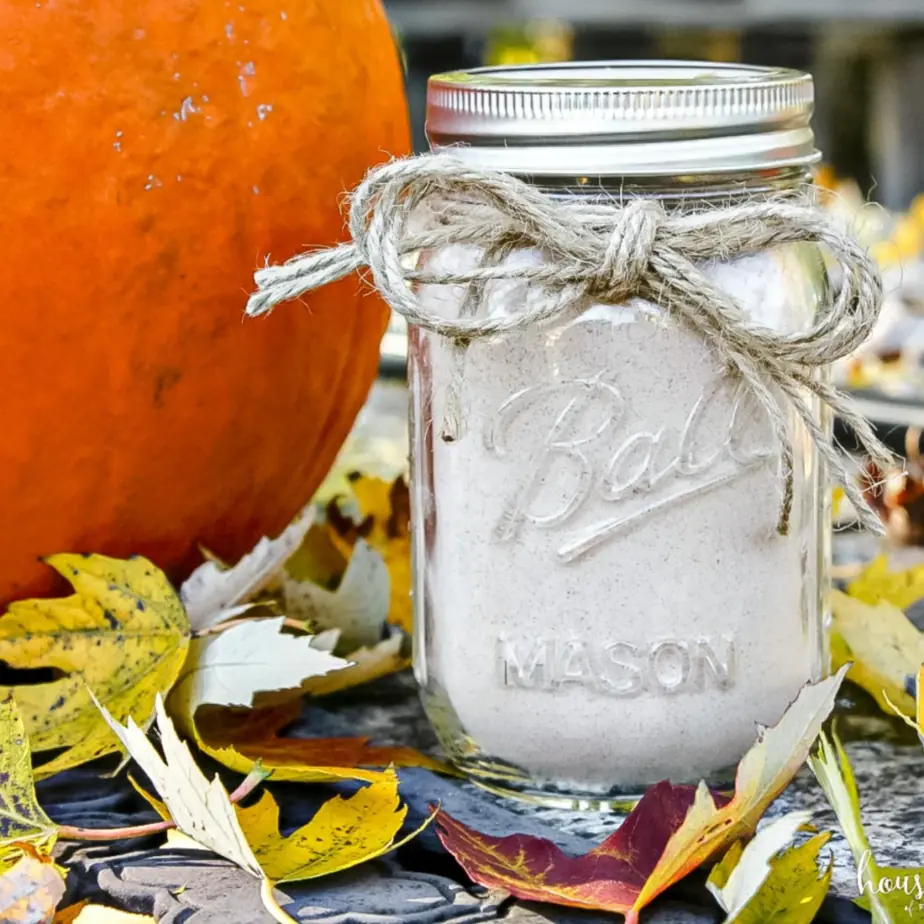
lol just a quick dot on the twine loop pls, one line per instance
(596, 250)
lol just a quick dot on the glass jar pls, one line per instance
(603, 597)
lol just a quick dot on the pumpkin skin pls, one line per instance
(156, 153)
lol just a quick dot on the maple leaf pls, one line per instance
(358, 607)
(123, 634)
(342, 834)
(232, 667)
(22, 820)
(764, 883)
(213, 593)
(893, 896)
(671, 831)
(883, 647)
(366, 664)
(30, 889)
(381, 516)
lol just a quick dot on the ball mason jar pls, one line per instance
(603, 596)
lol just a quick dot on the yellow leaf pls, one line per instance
(837, 498)
(155, 803)
(85, 913)
(123, 634)
(883, 646)
(892, 895)
(762, 775)
(384, 522)
(22, 819)
(343, 833)
(30, 890)
(877, 584)
(770, 882)
(919, 690)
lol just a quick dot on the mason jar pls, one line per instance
(604, 595)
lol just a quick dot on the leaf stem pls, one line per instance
(69, 833)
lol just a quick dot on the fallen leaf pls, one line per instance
(383, 520)
(201, 809)
(231, 667)
(883, 646)
(30, 889)
(367, 664)
(764, 772)
(123, 634)
(69, 915)
(358, 607)
(22, 820)
(304, 760)
(212, 593)
(343, 832)
(608, 878)
(86, 913)
(671, 831)
(770, 882)
(877, 584)
(893, 896)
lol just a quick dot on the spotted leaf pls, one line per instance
(123, 635)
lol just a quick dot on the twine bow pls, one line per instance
(598, 251)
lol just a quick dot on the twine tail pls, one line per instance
(451, 429)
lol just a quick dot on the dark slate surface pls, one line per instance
(421, 883)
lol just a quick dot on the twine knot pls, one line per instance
(628, 251)
(595, 249)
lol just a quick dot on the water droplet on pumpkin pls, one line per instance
(249, 69)
(229, 30)
(256, 190)
(187, 108)
(263, 110)
(152, 182)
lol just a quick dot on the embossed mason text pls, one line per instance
(617, 668)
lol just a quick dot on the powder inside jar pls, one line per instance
(604, 599)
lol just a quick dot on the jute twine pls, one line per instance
(597, 251)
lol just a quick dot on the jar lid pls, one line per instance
(624, 118)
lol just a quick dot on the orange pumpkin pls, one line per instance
(155, 152)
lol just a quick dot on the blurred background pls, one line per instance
(867, 58)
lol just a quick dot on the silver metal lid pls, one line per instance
(624, 118)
